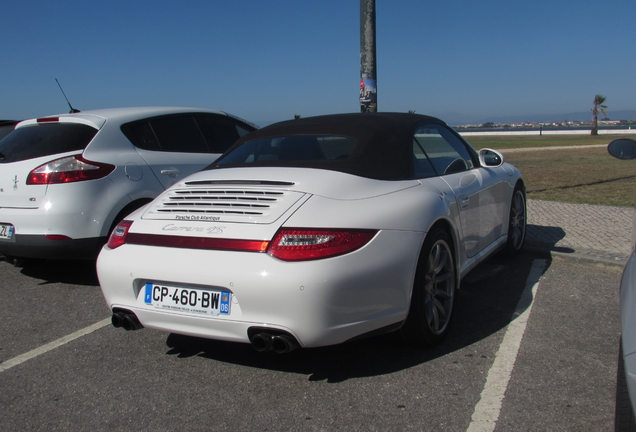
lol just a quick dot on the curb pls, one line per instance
(588, 256)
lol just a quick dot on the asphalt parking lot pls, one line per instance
(533, 347)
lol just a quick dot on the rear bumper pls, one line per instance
(318, 302)
(39, 247)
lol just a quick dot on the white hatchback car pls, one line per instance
(67, 180)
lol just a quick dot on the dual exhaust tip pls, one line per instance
(262, 339)
(125, 319)
(272, 340)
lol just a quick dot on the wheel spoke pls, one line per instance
(432, 317)
(439, 259)
(442, 276)
(443, 294)
(518, 207)
(440, 310)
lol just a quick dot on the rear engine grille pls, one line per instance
(213, 204)
(220, 201)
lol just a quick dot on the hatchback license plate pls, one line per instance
(189, 300)
(6, 231)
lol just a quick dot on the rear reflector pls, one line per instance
(57, 237)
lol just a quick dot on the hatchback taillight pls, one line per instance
(118, 236)
(299, 244)
(67, 170)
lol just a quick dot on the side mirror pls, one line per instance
(623, 148)
(491, 158)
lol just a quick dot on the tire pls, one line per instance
(433, 292)
(516, 223)
(624, 420)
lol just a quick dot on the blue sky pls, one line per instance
(267, 60)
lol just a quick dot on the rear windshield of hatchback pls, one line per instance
(35, 141)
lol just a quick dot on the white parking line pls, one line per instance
(488, 408)
(52, 345)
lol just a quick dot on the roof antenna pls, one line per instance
(73, 110)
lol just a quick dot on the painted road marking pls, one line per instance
(52, 345)
(488, 408)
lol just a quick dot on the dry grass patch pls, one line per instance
(589, 176)
(523, 141)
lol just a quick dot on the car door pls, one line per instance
(478, 191)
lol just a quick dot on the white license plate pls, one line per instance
(6, 231)
(189, 300)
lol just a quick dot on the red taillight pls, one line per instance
(118, 236)
(67, 170)
(296, 244)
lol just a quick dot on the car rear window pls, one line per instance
(297, 148)
(6, 127)
(43, 140)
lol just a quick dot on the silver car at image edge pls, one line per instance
(317, 231)
(625, 420)
(66, 180)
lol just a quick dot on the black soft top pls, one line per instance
(383, 150)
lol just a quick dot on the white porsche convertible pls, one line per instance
(317, 231)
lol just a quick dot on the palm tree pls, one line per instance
(598, 106)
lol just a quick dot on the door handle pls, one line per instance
(172, 172)
(463, 202)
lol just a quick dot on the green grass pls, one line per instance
(523, 141)
(584, 176)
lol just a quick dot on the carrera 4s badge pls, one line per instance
(208, 230)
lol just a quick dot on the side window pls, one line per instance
(443, 149)
(423, 167)
(141, 135)
(220, 133)
(179, 134)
